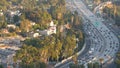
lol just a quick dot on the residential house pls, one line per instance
(11, 26)
(50, 30)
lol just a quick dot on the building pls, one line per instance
(36, 35)
(11, 14)
(11, 26)
(5, 31)
(51, 29)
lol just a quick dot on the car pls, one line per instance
(104, 54)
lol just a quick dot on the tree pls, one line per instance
(77, 20)
(2, 22)
(69, 45)
(117, 61)
(113, 12)
(58, 11)
(101, 61)
(52, 2)
(97, 1)
(28, 55)
(25, 25)
(69, 17)
(61, 2)
(3, 25)
(40, 17)
(4, 4)
(57, 49)
(16, 2)
(76, 66)
(16, 19)
(90, 65)
(29, 4)
(33, 65)
(1, 66)
(45, 48)
(11, 29)
(96, 65)
(75, 58)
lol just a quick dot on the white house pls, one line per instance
(50, 30)
(36, 35)
(11, 26)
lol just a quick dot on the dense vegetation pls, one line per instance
(37, 52)
(117, 61)
(113, 13)
(90, 65)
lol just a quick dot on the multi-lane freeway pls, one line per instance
(102, 41)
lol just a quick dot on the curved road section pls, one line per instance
(102, 5)
(103, 42)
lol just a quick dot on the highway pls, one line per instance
(103, 42)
